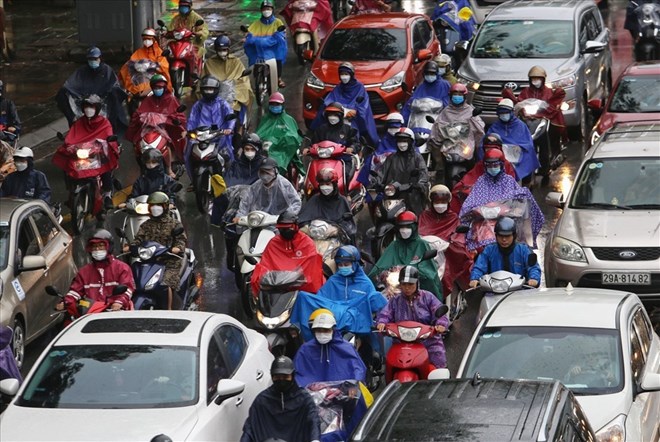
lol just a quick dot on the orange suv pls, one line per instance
(388, 52)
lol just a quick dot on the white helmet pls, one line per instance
(443, 60)
(24, 152)
(324, 320)
(506, 104)
(394, 116)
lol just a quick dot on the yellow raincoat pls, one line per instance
(188, 22)
(231, 69)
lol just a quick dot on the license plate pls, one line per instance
(627, 278)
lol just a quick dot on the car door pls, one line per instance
(591, 30)
(418, 43)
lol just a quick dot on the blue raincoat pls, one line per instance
(448, 11)
(491, 260)
(439, 90)
(516, 132)
(264, 42)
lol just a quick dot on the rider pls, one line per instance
(329, 204)
(406, 167)
(506, 254)
(97, 279)
(327, 357)
(26, 182)
(374, 162)
(8, 114)
(284, 411)
(433, 86)
(153, 178)
(408, 249)
(444, 68)
(265, 41)
(95, 78)
(281, 130)
(370, 7)
(335, 129)
(245, 169)
(158, 228)
(290, 250)
(186, 18)
(416, 304)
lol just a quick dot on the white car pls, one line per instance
(599, 343)
(129, 376)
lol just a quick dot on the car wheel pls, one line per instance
(582, 131)
(18, 343)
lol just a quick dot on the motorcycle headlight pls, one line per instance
(393, 83)
(271, 323)
(531, 109)
(178, 35)
(564, 82)
(142, 209)
(153, 280)
(314, 82)
(409, 334)
(490, 212)
(613, 431)
(390, 190)
(500, 285)
(254, 219)
(568, 250)
(145, 253)
(325, 152)
(82, 154)
(318, 231)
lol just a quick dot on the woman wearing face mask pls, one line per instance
(281, 130)
(26, 182)
(265, 42)
(433, 86)
(153, 177)
(186, 18)
(97, 279)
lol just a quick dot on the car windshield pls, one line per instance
(637, 95)
(4, 247)
(618, 183)
(525, 39)
(114, 376)
(365, 44)
(588, 361)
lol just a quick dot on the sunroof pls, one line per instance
(136, 325)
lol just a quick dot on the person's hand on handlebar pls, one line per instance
(116, 306)
(474, 283)
(440, 328)
(176, 250)
(533, 282)
(227, 131)
(381, 327)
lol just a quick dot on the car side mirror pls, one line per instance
(308, 54)
(166, 52)
(33, 262)
(228, 388)
(52, 291)
(439, 374)
(650, 381)
(429, 119)
(181, 108)
(199, 22)
(177, 231)
(246, 72)
(423, 55)
(119, 289)
(160, 23)
(9, 387)
(462, 228)
(555, 199)
(592, 47)
(532, 259)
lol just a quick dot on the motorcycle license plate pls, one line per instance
(612, 278)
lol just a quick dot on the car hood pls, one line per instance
(609, 119)
(513, 69)
(601, 409)
(610, 228)
(30, 424)
(367, 72)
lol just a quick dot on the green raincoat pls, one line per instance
(282, 131)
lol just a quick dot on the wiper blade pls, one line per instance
(605, 206)
(645, 206)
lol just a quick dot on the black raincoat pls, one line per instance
(29, 184)
(329, 208)
(407, 168)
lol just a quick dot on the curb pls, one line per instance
(45, 133)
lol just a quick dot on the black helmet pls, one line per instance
(101, 235)
(222, 42)
(287, 217)
(431, 67)
(282, 365)
(151, 156)
(209, 86)
(408, 274)
(267, 4)
(268, 164)
(505, 226)
(93, 100)
(93, 52)
(161, 438)
(253, 140)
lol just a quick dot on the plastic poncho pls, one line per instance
(516, 132)
(439, 90)
(8, 367)
(553, 98)
(143, 64)
(453, 13)
(264, 42)
(341, 407)
(408, 252)
(335, 361)
(457, 114)
(348, 95)
(276, 199)
(231, 70)
(282, 131)
(154, 180)
(492, 260)
(407, 168)
(243, 170)
(188, 22)
(328, 208)
(209, 113)
(374, 162)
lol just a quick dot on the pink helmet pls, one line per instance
(276, 97)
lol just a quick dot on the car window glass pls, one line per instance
(584, 32)
(216, 369)
(233, 343)
(425, 33)
(592, 26)
(643, 331)
(418, 41)
(45, 226)
(27, 240)
(637, 356)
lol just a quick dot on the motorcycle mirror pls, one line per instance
(429, 254)
(119, 289)
(160, 23)
(194, 76)
(176, 187)
(462, 229)
(52, 291)
(244, 28)
(214, 127)
(532, 259)
(366, 257)
(477, 111)
(441, 311)
(199, 22)
(430, 119)
(111, 138)
(177, 231)
(281, 28)
(120, 232)
(246, 72)
(60, 136)
(181, 108)
(166, 53)
(251, 260)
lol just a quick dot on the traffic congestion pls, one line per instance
(324, 220)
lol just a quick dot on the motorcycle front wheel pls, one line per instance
(79, 210)
(300, 50)
(178, 80)
(249, 300)
(202, 197)
(262, 84)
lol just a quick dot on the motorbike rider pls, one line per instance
(408, 249)
(433, 86)
(387, 146)
(329, 205)
(8, 366)
(159, 228)
(153, 178)
(284, 411)
(327, 357)
(265, 41)
(419, 305)
(351, 94)
(281, 130)
(26, 182)
(445, 68)
(97, 279)
(8, 115)
(495, 185)
(631, 22)
(319, 23)
(506, 254)
(335, 129)
(186, 18)
(406, 167)
(290, 250)
(459, 110)
(370, 7)
(457, 16)
(95, 78)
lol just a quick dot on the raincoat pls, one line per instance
(9, 115)
(554, 98)
(335, 361)
(321, 18)
(231, 69)
(154, 180)
(97, 279)
(134, 80)
(276, 199)
(8, 367)
(449, 12)
(282, 131)
(374, 162)
(243, 170)
(493, 259)
(516, 132)
(188, 22)
(456, 114)
(422, 309)
(264, 41)
(290, 416)
(29, 184)
(340, 133)
(438, 90)
(329, 208)
(407, 168)
(209, 113)
(408, 252)
(282, 254)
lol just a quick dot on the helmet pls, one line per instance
(93, 52)
(537, 71)
(394, 119)
(443, 60)
(493, 155)
(334, 107)
(157, 79)
(158, 198)
(23, 152)
(440, 192)
(267, 4)
(93, 101)
(405, 134)
(268, 164)
(505, 104)
(161, 438)
(185, 3)
(458, 88)
(222, 42)
(491, 141)
(101, 235)
(327, 175)
(317, 312)
(348, 254)
(210, 82)
(406, 218)
(346, 66)
(151, 156)
(253, 140)
(287, 217)
(431, 67)
(153, 141)
(276, 97)
(505, 226)
(324, 320)
(149, 32)
(282, 365)
(408, 274)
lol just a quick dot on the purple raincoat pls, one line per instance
(8, 367)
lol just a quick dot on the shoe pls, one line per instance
(281, 83)
(107, 203)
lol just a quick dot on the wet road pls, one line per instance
(219, 290)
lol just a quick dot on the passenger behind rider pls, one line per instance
(153, 178)
(444, 68)
(26, 182)
(432, 86)
(8, 114)
(281, 131)
(327, 357)
(267, 26)
(97, 279)
(186, 18)
(506, 254)
(416, 304)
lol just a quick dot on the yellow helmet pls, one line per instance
(317, 312)
(537, 71)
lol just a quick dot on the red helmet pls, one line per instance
(276, 97)
(493, 155)
(492, 141)
(153, 140)
(458, 88)
(327, 175)
(406, 218)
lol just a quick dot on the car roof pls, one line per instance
(629, 140)
(558, 307)
(389, 20)
(140, 327)
(538, 9)
(9, 205)
(642, 68)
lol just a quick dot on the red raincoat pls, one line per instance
(97, 279)
(321, 20)
(554, 98)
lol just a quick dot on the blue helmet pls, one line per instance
(348, 254)
(93, 52)
(222, 42)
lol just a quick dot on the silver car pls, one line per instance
(566, 37)
(608, 235)
(35, 251)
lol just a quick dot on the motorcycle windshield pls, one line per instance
(530, 107)
(513, 153)
(485, 217)
(456, 143)
(420, 108)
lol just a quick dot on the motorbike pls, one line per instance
(483, 219)
(84, 306)
(154, 135)
(457, 151)
(292, 173)
(264, 73)
(300, 28)
(277, 295)
(408, 360)
(341, 405)
(141, 72)
(327, 154)
(388, 280)
(327, 237)
(387, 209)
(647, 47)
(185, 65)
(339, 6)
(421, 126)
(251, 245)
(530, 111)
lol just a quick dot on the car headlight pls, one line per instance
(272, 322)
(314, 82)
(409, 334)
(82, 154)
(613, 431)
(567, 250)
(595, 136)
(145, 253)
(393, 83)
(470, 84)
(153, 280)
(564, 82)
(254, 219)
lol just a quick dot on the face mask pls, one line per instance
(333, 119)
(326, 189)
(504, 118)
(493, 171)
(156, 211)
(440, 208)
(148, 43)
(267, 13)
(392, 130)
(151, 166)
(250, 155)
(184, 10)
(288, 234)
(402, 146)
(441, 71)
(457, 99)
(94, 64)
(282, 386)
(344, 78)
(323, 338)
(223, 54)
(405, 232)
(345, 271)
(537, 83)
(99, 255)
(20, 166)
(276, 109)
(159, 92)
(266, 177)
(89, 112)
(430, 78)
